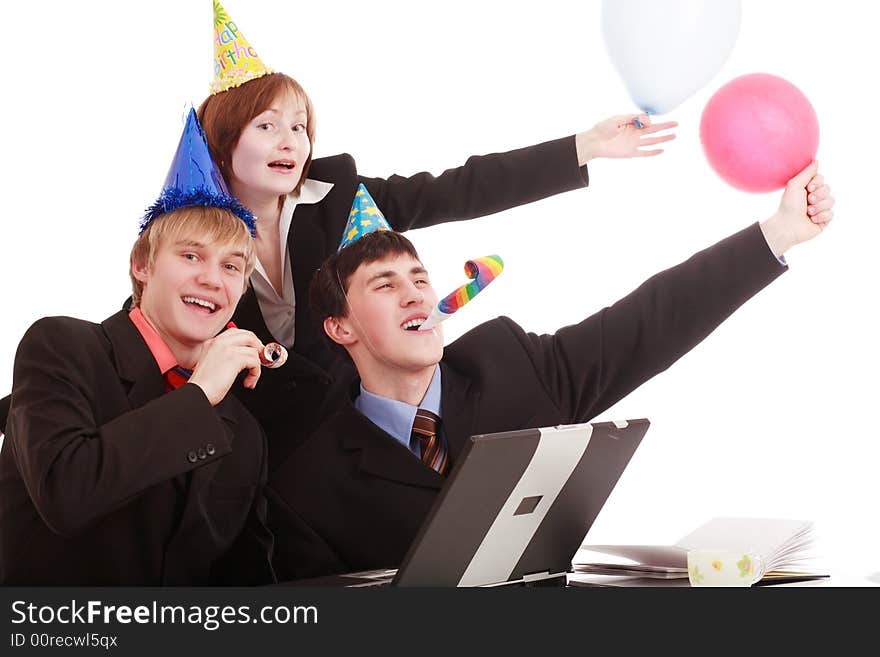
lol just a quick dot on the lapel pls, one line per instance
(457, 409)
(134, 361)
(315, 232)
(307, 246)
(137, 367)
(380, 455)
(248, 315)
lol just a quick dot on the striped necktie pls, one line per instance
(176, 377)
(433, 450)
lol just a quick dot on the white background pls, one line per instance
(773, 415)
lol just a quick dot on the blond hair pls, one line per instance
(202, 223)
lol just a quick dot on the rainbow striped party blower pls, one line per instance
(481, 271)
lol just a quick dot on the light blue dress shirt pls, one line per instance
(396, 417)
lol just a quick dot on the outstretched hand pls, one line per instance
(804, 211)
(619, 137)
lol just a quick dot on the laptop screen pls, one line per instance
(518, 504)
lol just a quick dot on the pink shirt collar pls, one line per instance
(164, 358)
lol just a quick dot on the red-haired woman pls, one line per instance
(261, 133)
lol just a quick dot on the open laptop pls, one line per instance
(516, 507)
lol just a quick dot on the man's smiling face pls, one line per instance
(388, 300)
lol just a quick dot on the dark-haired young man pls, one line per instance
(354, 496)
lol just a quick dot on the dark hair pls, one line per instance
(330, 283)
(224, 116)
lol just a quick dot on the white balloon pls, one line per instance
(667, 50)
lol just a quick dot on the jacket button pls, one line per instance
(210, 449)
(191, 457)
(202, 454)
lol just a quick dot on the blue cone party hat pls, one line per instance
(364, 218)
(194, 179)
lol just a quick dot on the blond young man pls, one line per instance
(125, 460)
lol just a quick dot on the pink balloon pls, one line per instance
(758, 131)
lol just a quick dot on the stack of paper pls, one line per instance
(784, 545)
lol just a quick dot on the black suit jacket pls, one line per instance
(290, 402)
(107, 480)
(353, 498)
(4, 411)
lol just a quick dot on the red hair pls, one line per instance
(224, 116)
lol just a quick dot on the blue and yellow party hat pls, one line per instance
(364, 218)
(194, 179)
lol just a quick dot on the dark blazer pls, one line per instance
(353, 498)
(289, 402)
(105, 479)
(4, 411)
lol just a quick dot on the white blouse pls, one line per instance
(279, 309)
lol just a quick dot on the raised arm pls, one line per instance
(487, 184)
(589, 366)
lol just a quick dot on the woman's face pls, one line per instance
(271, 151)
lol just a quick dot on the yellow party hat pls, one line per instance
(235, 60)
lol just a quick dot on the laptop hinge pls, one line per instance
(534, 577)
(545, 578)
